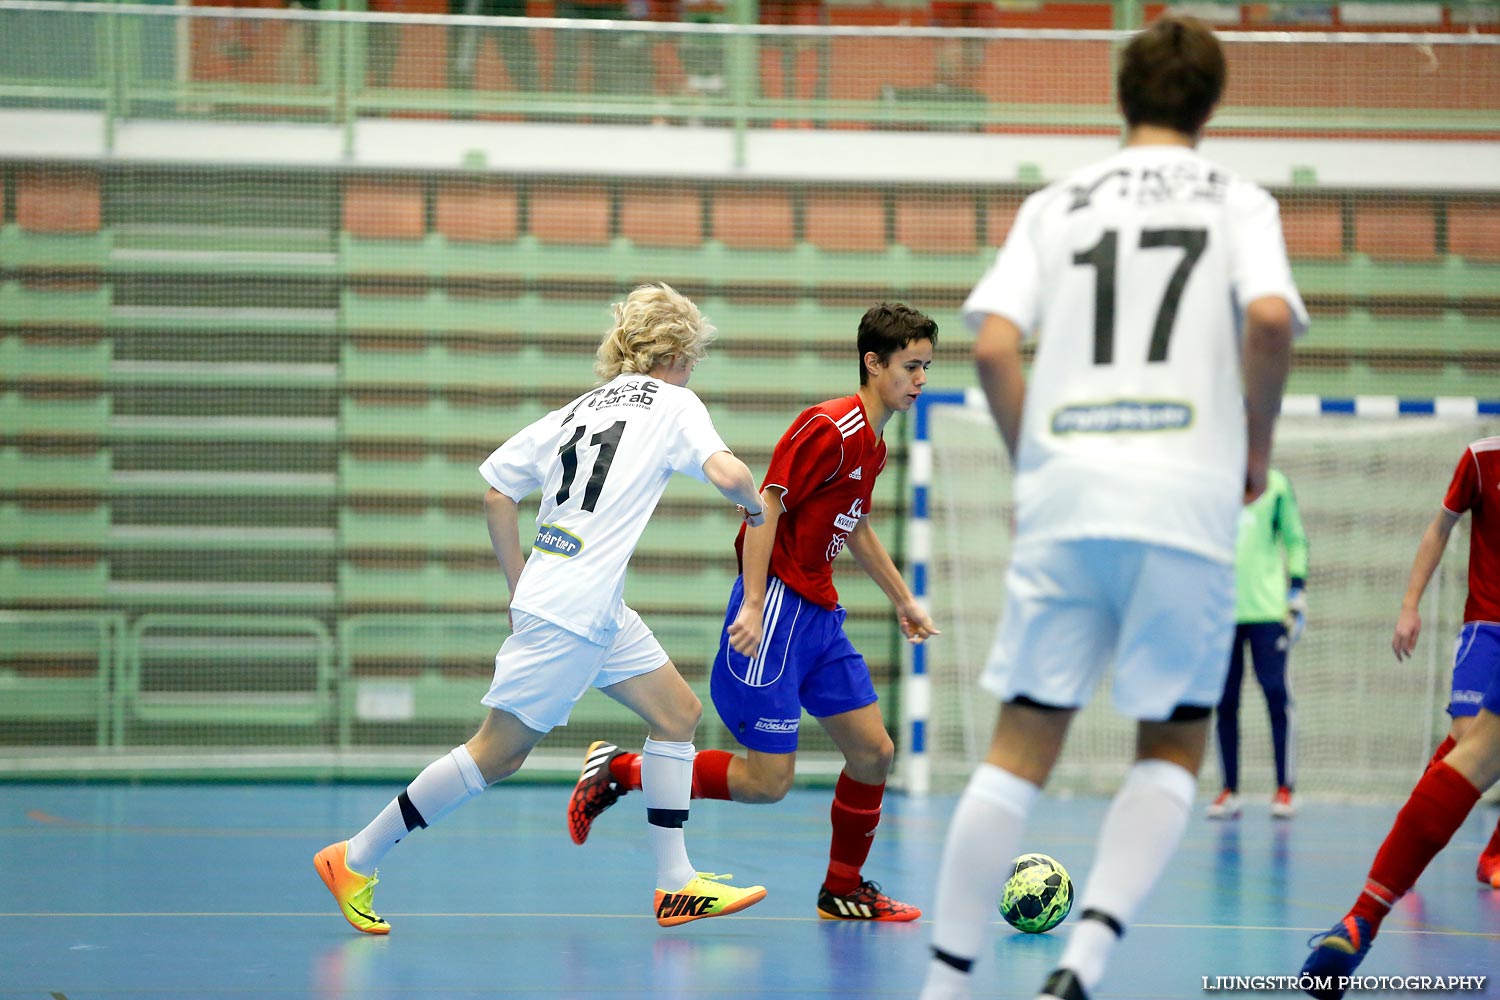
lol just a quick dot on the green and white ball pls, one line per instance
(1038, 894)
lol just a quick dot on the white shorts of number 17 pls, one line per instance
(1163, 617)
(543, 669)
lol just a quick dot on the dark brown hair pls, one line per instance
(1172, 74)
(887, 327)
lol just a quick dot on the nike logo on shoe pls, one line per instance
(677, 904)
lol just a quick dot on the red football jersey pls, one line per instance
(826, 464)
(1476, 487)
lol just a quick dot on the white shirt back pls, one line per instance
(602, 463)
(1134, 274)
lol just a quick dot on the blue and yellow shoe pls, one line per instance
(354, 892)
(705, 895)
(1336, 955)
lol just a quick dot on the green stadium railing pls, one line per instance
(60, 668)
(174, 673)
(118, 58)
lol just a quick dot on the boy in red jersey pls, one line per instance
(783, 647)
(1468, 761)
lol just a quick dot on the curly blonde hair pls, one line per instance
(654, 324)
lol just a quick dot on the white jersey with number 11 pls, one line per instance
(602, 463)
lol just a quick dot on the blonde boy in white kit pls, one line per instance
(1158, 287)
(601, 463)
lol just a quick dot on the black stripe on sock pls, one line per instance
(1063, 984)
(672, 819)
(1106, 920)
(964, 965)
(409, 814)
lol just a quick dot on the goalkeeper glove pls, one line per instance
(1296, 612)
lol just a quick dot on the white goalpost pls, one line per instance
(1368, 472)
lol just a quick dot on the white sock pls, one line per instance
(1139, 835)
(667, 782)
(443, 786)
(984, 837)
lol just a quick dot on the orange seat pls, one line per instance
(59, 201)
(570, 213)
(384, 210)
(1474, 230)
(420, 57)
(1312, 229)
(754, 218)
(845, 220)
(662, 215)
(1025, 71)
(861, 69)
(1399, 229)
(1000, 215)
(477, 211)
(936, 223)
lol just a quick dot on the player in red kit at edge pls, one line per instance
(1468, 761)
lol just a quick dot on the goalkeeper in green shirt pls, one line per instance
(1270, 610)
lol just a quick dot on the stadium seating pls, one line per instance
(754, 218)
(1474, 230)
(204, 419)
(57, 670)
(208, 671)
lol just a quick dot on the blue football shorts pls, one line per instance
(806, 661)
(1476, 669)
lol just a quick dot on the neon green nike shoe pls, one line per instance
(355, 892)
(705, 895)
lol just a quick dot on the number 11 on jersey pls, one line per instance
(606, 441)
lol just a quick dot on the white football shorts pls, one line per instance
(543, 669)
(1163, 617)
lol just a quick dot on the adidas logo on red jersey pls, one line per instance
(857, 473)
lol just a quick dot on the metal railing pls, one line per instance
(128, 61)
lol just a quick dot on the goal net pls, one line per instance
(1364, 724)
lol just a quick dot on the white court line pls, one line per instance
(1391, 932)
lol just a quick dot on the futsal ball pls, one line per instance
(1038, 894)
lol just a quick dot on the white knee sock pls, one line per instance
(1139, 835)
(984, 837)
(443, 786)
(667, 782)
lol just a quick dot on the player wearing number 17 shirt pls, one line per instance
(1157, 286)
(601, 463)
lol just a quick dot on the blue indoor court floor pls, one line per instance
(208, 891)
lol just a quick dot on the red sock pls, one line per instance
(855, 815)
(626, 769)
(711, 774)
(1435, 810)
(1442, 751)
